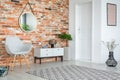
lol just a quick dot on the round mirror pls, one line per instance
(27, 22)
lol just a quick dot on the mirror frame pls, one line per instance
(20, 24)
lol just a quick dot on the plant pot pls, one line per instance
(111, 62)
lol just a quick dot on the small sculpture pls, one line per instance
(52, 42)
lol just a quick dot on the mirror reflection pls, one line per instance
(27, 22)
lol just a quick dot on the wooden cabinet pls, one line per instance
(40, 53)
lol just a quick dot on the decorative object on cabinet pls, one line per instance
(40, 53)
(111, 62)
(27, 20)
(65, 37)
(111, 14)
(52, 42)
(58, 45)
(15, 47)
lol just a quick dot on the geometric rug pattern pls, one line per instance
(74, 72)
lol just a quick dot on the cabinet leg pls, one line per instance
(40, 60)
(34, 59)
(56, 58)
(61, 58)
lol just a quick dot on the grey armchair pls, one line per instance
(15, 47)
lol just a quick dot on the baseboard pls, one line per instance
(84, 59)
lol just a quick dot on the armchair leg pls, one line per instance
(20, 57)
(26, 61)
(14, 62)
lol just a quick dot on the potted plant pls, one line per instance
(111, 46)
(65, 37)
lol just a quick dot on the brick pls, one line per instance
(8, 2)
(52, 19)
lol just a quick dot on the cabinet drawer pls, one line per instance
(45, 53)
(58, 52)
(48, 52)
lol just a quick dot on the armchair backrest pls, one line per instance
(13, 44)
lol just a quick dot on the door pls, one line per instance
(84, 33)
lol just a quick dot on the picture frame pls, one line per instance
(111, 14)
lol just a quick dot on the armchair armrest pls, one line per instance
(27, 47)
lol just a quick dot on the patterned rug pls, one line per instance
(73, 72)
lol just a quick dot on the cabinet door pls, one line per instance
(46, 53)
(50, 52)
(59, 52)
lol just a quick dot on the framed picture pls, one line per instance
(111, 14)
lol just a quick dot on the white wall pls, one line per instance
(83, 31)
(96, 31)
(72, 26)
(100, 30)
(110, 32)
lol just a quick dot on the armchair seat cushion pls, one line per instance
(15, 46)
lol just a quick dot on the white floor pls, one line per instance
(20, 73)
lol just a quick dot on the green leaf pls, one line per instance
(65, 36)
(26, 27)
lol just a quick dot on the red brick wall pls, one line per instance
(52, 19)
